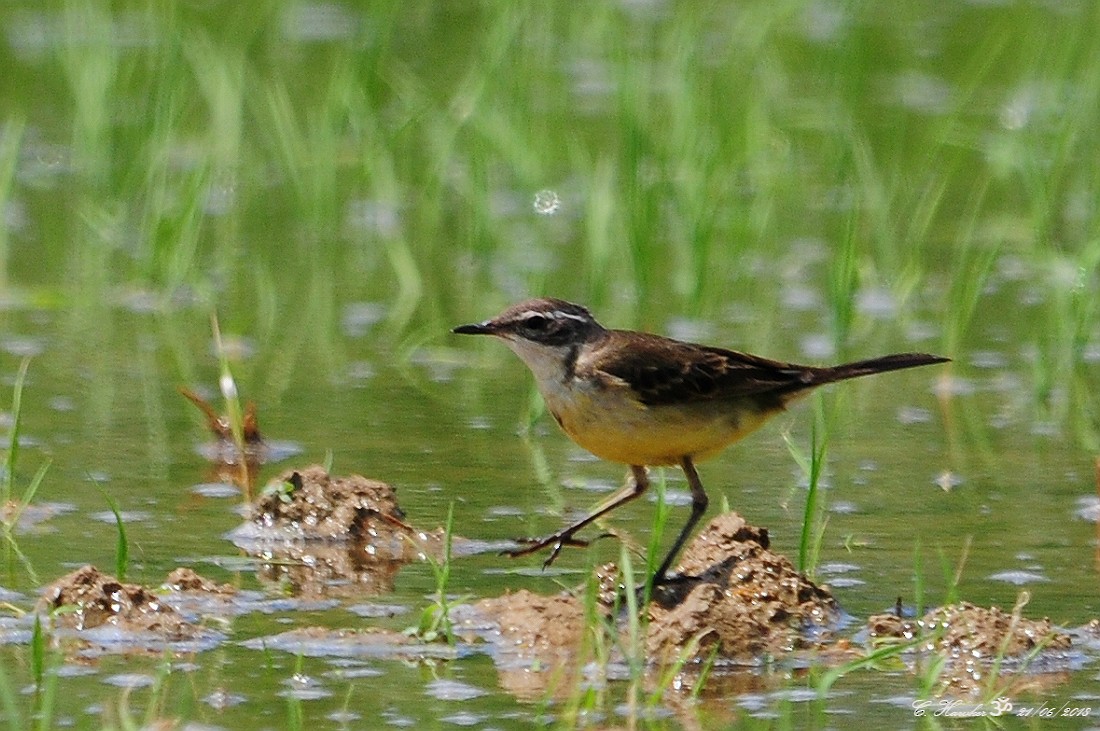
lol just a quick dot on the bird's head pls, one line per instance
(545, 333)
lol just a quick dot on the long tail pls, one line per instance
(871, 366)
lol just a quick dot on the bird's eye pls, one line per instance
(536, 322)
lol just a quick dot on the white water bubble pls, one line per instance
(547, 202)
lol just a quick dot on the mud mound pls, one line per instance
(741, 598)
(532, 625)
(322, 535)
(536, 639)
(185, 579)
(313, 505)
(970, 638)
(92, 599)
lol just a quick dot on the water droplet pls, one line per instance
(948, 480)
(547, 203)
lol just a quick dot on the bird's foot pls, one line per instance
(558, 541)
(672, 580)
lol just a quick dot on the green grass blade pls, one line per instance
(122, 545)
(809, 543)
(29, 492)
(13, 439)
(660, 519)
(38, 652)
(9, 701)
(11, 144)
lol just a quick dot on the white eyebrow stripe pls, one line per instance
(553, 315)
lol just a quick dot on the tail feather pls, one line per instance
(868, 367)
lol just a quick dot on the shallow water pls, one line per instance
(889, 518)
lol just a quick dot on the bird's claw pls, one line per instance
(558, 541)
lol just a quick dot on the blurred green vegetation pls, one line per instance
(392, 152)
(278, 161)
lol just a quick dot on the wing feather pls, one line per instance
(663, 371)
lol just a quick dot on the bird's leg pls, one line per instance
(698, 507)
(564, 537)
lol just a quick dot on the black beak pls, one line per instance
(481, 328)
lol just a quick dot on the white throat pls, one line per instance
(546, 362)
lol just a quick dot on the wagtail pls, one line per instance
(644, 400)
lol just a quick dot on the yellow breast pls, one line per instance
(617, 427)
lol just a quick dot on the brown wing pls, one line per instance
(664, 371)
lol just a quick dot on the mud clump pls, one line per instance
(537, 638)
(93, 599)
(966, 629)
(185, 579)
(326, 534)
(970, 639)
(534, 625)
(739, 597)
(310, 504)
